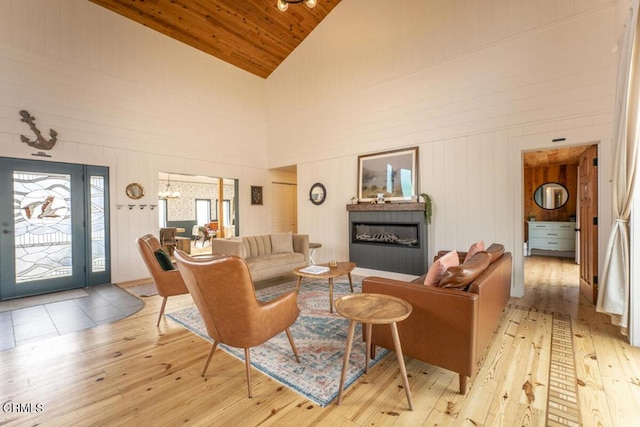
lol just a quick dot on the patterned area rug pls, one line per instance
(320, 338)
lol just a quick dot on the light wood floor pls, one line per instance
(131, 373)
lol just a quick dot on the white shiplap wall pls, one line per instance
(462, 81)
(126, 97)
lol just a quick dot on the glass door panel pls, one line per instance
(97, 235)
(42, 226)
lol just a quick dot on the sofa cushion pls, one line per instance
(164, 260)
(474, 249)
(438, 268)
(495, 251)
(256, 245)
(460, 276)
(275, 260)
(282, 243)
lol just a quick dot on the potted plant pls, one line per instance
(428, 207)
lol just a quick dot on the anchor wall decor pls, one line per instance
(40, 143)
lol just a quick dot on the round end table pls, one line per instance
(373, 309)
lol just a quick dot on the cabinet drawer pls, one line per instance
(553, 233)
(540, 226)
(552, 244)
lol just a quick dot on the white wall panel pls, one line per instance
(564, 68)
(124, 96)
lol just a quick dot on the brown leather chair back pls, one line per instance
(224, 294)
(168, 283)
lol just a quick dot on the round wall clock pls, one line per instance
(317, 194)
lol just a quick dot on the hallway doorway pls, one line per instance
(561, 208)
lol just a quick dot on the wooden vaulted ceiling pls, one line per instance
(253, 35)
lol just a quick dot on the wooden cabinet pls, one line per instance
(552, 235)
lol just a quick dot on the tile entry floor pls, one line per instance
(102, 304)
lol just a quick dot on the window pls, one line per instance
(203, 211)
(226, 212)
(162, 213)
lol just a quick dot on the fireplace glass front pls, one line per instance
(387, 234)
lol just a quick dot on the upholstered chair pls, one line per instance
(224, 294)
(167, 278)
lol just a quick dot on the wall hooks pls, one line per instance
(152, 207)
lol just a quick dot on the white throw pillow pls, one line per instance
(282, 243)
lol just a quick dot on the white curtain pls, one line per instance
(613, 295)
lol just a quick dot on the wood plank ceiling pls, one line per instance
(253, 35)
(560, 156)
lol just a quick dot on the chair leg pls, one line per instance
(247, 365)
(293, 346)
(206, 364)
(164, 303)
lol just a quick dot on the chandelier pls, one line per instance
(283, 5)
(168, 193)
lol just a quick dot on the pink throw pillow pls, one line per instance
(474, 249)
(438, 268)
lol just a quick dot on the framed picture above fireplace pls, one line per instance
(392, 174)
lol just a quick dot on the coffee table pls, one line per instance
(373, 309)
(341, 269)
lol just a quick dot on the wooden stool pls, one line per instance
(373, 309)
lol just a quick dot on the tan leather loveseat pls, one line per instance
(269, 255)
(450, 327)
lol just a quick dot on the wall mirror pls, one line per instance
(551, 195)
(135, 191)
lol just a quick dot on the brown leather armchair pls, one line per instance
(225, 296)
(168, 283)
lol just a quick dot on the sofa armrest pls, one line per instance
(301, 245)
(442, 328)
(227, 247)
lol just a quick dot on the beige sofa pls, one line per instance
(269, 255)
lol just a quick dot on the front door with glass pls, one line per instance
(55, 232)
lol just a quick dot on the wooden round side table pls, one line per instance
(373, 309)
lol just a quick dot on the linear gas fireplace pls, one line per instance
(388, 237)
(385, 234)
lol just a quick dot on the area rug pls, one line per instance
(142, 290)
(320, 338)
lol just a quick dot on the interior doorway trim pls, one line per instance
(588, 135)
